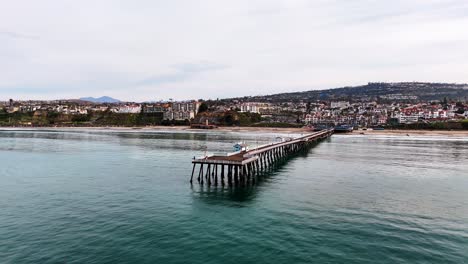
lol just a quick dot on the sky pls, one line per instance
(146, 50)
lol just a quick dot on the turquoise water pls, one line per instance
(103, 196)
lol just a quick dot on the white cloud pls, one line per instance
(143, 50)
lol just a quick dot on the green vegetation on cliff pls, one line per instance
(459, 125)
(235, 118)
(106, 118)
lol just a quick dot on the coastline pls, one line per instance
(409, 132)
(167, 128)
(406, 132)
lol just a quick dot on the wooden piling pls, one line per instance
(242, 168)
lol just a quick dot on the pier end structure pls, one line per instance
(243, 166)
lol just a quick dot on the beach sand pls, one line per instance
(453, 133)
(169, 128)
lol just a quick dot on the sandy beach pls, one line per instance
(454, 133)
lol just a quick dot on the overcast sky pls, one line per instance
(150, 49)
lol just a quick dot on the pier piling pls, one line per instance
(243, 167)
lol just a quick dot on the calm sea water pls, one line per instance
(124, 197)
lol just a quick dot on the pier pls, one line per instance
(242, 167)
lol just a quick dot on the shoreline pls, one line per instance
(409, 132)
(404, 132)
(167, 128)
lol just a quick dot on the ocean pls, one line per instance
(123, 196)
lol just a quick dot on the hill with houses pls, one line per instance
(390, 92)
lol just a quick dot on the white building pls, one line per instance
(258, 108)
(443, 114)
(408, 119)
(340, 104)
(186, 106)
(127, 109)
(249, 107)
(185, 110)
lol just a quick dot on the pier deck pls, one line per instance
(242, 166)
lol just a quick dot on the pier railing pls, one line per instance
(242, 167)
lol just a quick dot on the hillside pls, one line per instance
(408, 91)
(103, 99)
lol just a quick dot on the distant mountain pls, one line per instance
(103, 99)
(403, 91)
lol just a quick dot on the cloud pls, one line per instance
(183, 72)
(211, 48)
(15, 35)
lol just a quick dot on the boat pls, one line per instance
(343, 129)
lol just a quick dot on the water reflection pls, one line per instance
(242, 194)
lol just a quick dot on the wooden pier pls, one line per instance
(242, 167)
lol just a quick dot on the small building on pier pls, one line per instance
(241, 147)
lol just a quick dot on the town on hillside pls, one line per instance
(237, 112)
